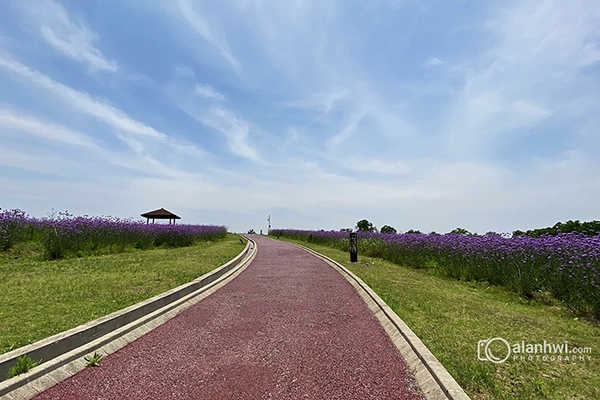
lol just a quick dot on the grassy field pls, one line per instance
(451, 317)
(42, 298)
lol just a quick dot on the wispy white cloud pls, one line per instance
(328, 100)
(148, 144)
(12, 121)
(205, 105)
(297, 39)
(18, 129)
(72, 39)
(432, 61)
(348, 129)
(527, 76)
(195, 20)
(549, 34)
(208, 92)
(137, 131)
(235, 130)
(379, 166)
(81, 101)
(323, 101)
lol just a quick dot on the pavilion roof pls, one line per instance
(161, 213)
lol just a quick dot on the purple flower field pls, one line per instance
(565, 266)
(65, 235)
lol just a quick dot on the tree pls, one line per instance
(460, 231)
(365, 226)
(388, 229)
(590, 228)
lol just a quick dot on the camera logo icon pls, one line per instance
(496, 350)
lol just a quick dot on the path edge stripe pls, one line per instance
(435, 381)
(62, 354)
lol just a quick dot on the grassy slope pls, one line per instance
(451, 317)
(42, 298)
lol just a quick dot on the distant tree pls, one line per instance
(460, 231)
(346, 230)
(388, 229)
(365, 226)
(251, 231)
(414, 232)
(542, 231)
(569, 226)
(590, 228)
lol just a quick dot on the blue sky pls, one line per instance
(426, 115)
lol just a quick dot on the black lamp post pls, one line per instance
(353, 247)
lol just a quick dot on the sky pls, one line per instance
(426, 115)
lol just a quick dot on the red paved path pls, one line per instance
(289, 327)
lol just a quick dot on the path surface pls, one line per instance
(288, 327)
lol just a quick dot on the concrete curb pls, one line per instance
(435, 382)
(62, 354)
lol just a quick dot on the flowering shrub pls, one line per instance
(12, 227)
(64, 234)
(566, 265)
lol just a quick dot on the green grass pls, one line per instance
(451, 317)
(42, 298)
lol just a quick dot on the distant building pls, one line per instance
(160, 214)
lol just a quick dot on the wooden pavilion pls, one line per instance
(160, 214)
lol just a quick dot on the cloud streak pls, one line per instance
(12, 121)
(528, 76)
(82, 102)
(208, 92)
(234, 129)
(195, 21)
(73, 40)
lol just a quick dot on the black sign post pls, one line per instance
(353, 247)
